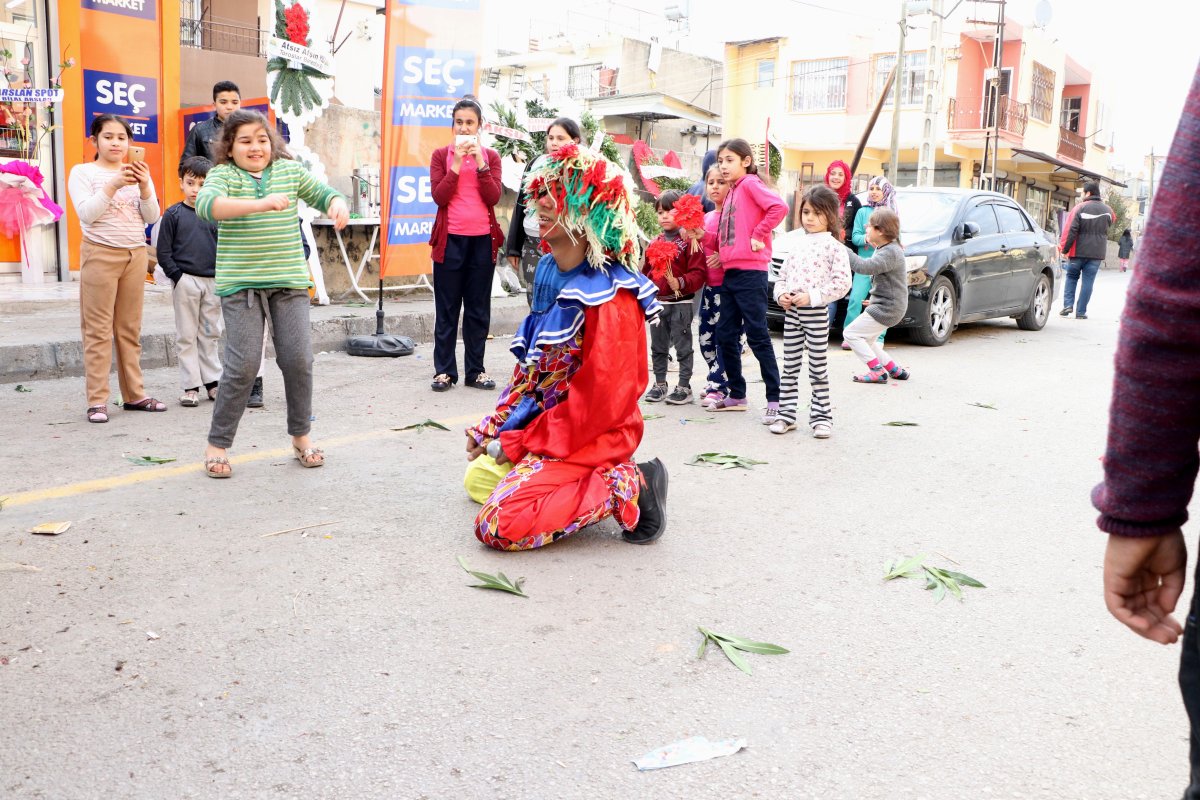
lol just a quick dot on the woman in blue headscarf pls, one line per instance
(699, 188)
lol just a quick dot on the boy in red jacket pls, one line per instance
(677, 284)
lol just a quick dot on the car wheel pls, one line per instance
(940, 318)
(1034, 318)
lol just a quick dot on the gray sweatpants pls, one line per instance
(674, 329)
(245, 313)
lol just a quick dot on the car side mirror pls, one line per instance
(970, 230)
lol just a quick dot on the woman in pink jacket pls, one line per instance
(464, 179)
(750, 212)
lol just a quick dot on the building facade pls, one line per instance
(1040, 117)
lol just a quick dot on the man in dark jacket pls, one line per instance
(1150, 463)
(227, 98)
(1088, 237)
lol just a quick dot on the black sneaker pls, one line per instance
(1081, 316)
(679, 396)
(1066, 312)
(657, 393)
(256, 395)
(652, 502)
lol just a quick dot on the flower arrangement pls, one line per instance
(20, 129)
(660, 255)
(293, 91)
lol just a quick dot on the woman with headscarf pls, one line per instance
(880, 194)
(837, 177)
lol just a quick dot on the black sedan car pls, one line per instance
(971, 255)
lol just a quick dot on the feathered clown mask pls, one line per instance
(594, 200)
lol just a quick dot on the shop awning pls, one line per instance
(652, 106)
(1033, 155)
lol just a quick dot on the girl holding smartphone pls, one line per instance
(465, 180)
(115, 202)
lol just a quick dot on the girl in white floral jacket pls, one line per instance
(814, 275)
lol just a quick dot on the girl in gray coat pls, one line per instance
(888, 300)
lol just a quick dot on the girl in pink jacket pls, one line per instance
(749, 214)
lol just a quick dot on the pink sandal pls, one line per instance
(97, 414)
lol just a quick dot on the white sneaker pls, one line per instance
(781, 426)
(822, 431)
(769, 416)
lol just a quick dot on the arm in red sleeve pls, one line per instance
(489, 179)
(694, 269)
(1151, 461)
(443, 183)
(602, 395)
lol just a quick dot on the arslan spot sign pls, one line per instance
(133, 97)
(427, 83)
(412, 211)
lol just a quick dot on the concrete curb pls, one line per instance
(48, 360)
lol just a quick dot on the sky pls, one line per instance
(1143, 62)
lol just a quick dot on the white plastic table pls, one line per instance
(370, 254)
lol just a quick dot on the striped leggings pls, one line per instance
(805, 329)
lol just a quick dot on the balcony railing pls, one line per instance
(1071, 145)
(973, 114)
(222, 37)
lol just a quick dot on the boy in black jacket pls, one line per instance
(187, 252)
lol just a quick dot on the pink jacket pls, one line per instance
(716, 275)
(751, 211)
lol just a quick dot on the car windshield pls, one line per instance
(925, 214)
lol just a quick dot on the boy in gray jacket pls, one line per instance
(888, 300)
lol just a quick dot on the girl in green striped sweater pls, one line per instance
(261, 276)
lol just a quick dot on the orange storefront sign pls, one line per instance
(128, 57)
(431, 59)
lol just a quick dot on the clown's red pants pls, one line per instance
(543, 499)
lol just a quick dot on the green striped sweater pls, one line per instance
(261, 251)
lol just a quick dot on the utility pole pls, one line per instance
(933, 99)
(998, 63)
(899, 85)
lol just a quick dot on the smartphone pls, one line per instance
(461, 139)
(136, 154)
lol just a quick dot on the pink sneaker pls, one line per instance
(729, 404)
(710, 399)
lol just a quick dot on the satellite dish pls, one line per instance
(1042, 14)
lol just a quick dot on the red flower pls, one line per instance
(689, 213)
(660, 255)
(297, 24)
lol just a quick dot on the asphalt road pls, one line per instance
(166, 649)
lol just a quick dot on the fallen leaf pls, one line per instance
(724, 461)
(147, 461)
(21, 388)
(901, 424)
(983, 405)
(730, 645)
(499, 581)
(420, 427)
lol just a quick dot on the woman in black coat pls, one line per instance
(1125, 249)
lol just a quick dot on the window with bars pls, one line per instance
(1071, 108)
(1041, 102)
(819, 85)
(584, 81)
(913, 89)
